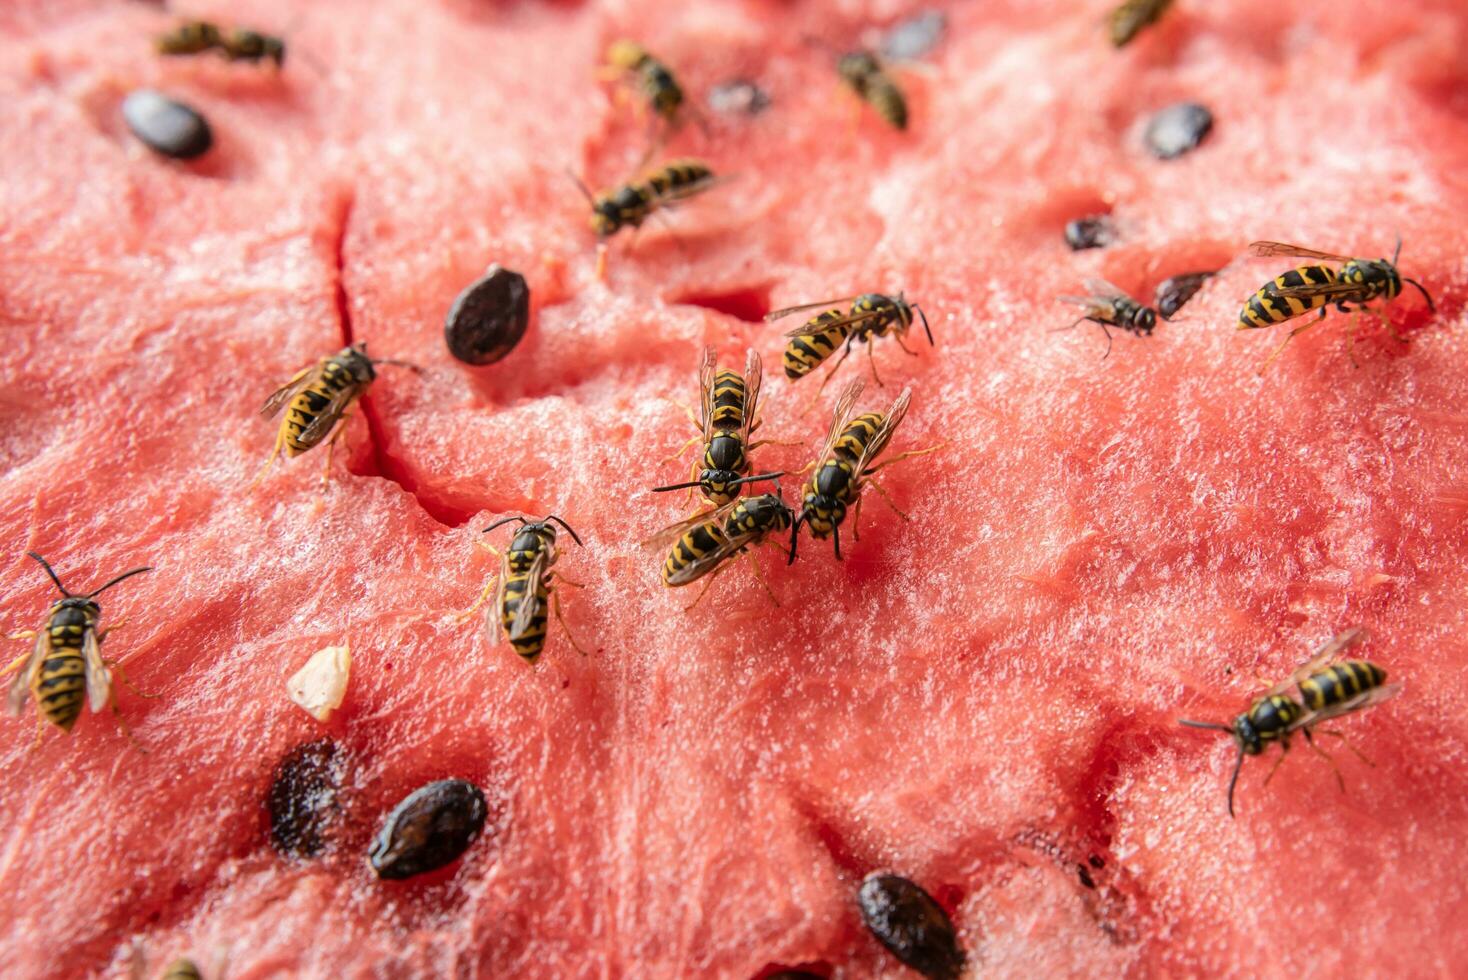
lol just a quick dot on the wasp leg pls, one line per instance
(102, 635)
(601, 261)
(901, 456)
(123, 725)
(850, 342)
(274, 454)
(1284, 748)
(1351, 338)
(836, 541)
(872, 360)
(1354, 751)
(562, 579)
(898, 337)
(22, 635)
(116, 667)
(484, 595)
(1310, 741)
(759, 576)
(40, 731)
(856, 521)
(16, 663)
(708, 581)
(888, 498)
(772, 442)
(1291, 336)
(560, 618)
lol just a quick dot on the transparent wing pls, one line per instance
(700, 567)
(780, 314)
(812, 327)
(708, 370)
(20, 687)
(889, 425)
(530, 598)
(1330, 650)
(671, 197)
(664, 539)
(754, 375)
(1363, 700)
(493, 619)
(1092, 306)
(99, 678)
(845, 409)
(287, 391)
(1330, 290)
(1266, 249)
(330, 415)
(1101, 288)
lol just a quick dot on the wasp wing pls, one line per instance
(815, 326)
(1093, 306)
(701, 566)
(1267, 249)
(494, 619)
(708, 371)
(20, 687)
(1330, 650)
(329, 416)
(99, 678)
(530, 598)
(671, 533)
(883, 435)
(1363, 700)
(1328, 290)
(754, 375)
(289, 390)
(1103, 289)
(845, 408)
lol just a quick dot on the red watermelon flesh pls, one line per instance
(982, 699)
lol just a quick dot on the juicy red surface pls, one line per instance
(978, 700)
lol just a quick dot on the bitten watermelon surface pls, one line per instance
(983, 700)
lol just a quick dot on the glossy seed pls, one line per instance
(912, 926)
(1092, 231)
(738, 96)
(165, 126)
(489, 317)
(1178, 129)
(432, 827)
(914, 37)
(302, 799)
(1174, 292)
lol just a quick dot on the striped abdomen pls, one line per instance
(1266, 307)
(728, 401)
(311, 402)
(702, 540)
(803, 353)
(60, 685)
(857, 435)
(1340, 682)
(531, 642)
(673, 178)
(660, 87)
(883, 95)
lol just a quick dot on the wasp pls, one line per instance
(320, 397)
(631, 204)
(65, 667)
(864, 75)
(662, 91)
(1310, 287)
(730, 402)
(709, 542)
(844, 469)
(1327, 690)
(1110, 306)
(870, 315)
(234, 43)
(523, 589)
(1128, 19)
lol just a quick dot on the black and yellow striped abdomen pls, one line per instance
(728, 401)
(803, 353)
(304, 409)
(857, 435)
(1267, 307)
(659, 86)
(60, 684)
(674, 177)
(695, 544)
(1340, 682)
(883, 95)
(531, 641)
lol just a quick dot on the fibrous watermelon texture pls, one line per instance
(980, 700)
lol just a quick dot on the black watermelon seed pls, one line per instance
(1096, 861)
(1177, 129)
(914, 37)
(165, 126)
(1092, 231)
(302, 799)
(1174, 292)
(429, 829)
(912, 926)
(1085, 875)
(489, 317)
(738, 96)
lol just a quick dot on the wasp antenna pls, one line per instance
(1425, 294)
(926, 329)
(1398, 253)
(795, 536)
(135, 571)
(679, 486)
(1205, 724)
(397, 363)
(569, 530)
(47, 566)
(1234, 780)
(757, 477)
(504, 520)
(581, 186)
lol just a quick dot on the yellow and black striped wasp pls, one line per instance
(631, 204)
(1109, 305)
(65, 667)
(870, 315)
(1327, 690)
(843, 466)
(864, 74)
(523, 588)
(654, 78)
(233, 43)
(320, 397)
(1311, 287)
(709, 542)
(730, 403)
